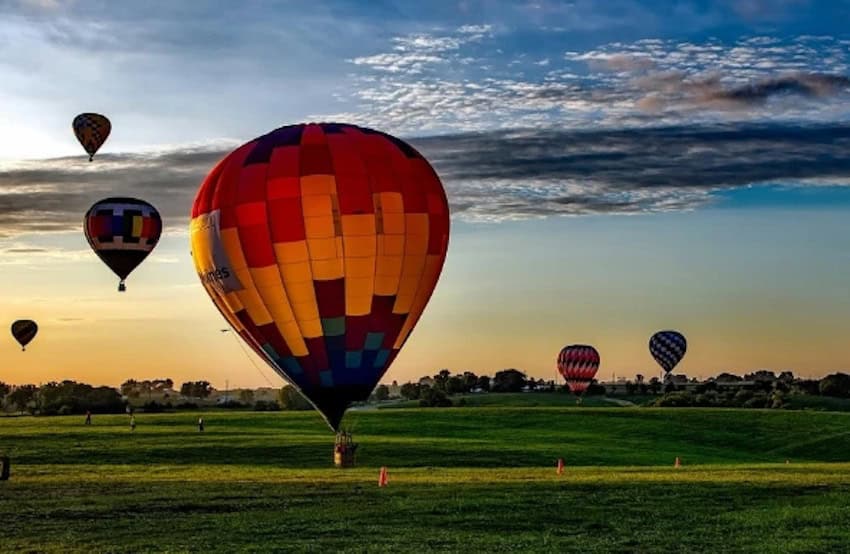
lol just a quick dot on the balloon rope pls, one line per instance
(250, 359)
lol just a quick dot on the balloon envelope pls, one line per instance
(321, 245)
(578, 364)
(668, 348)
(122, 232)
(24, 330)
(92, 130)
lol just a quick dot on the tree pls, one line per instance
(483, 383)
(196, 389)
(23, 397)
(508, 380)
(639, 379)
(4, 390)
(290, 399)
(382, 393)
(728, 378)
(469, 380)
(456, 385)
(130, 388)
(837, 384)
(655, 385)
(411, 391)
(246, 396)
(441, 380)
(434, 398)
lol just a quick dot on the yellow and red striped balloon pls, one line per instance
(321, 245)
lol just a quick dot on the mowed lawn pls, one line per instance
(462, 480)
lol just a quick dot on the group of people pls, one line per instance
(133, 420)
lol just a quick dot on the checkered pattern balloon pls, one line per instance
(321, 245)
(578, 365)
(92, 130)
(122, 232)
(668, 348)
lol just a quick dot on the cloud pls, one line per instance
(489, 175)
(675, 89)
(445, 83)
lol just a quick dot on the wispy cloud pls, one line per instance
(447, 82)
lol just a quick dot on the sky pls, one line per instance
(613, 169)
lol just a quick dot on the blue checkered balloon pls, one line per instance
(668, 348)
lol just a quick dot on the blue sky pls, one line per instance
(690, 149)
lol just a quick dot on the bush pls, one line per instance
(153, 407)
(433, 398)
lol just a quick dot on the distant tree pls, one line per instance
(639, 378)
(246, 396)
(760, 375)
(456, 385)
(787, 376)
(630, 388)
(441, 380)
(290, 399)
(807, 386)
(669, 387)
(434, 398)
(837, 384)
(196, 389)
(129, 388)
(382, 393)
(4, 390)
(594, 389)
(655, 385)
(411, 391)
(728, 378)
(483, 383)
(470, 380)
(508, 380)
(23, 397)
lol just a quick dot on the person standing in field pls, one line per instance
(88, 417)
(200, 425)
(132, 423)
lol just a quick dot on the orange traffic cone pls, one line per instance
(382, 477)
(677, 463)
(560, 469)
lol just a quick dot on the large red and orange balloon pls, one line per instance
(578, 365)
(321, 245)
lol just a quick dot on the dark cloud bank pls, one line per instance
(488, 175)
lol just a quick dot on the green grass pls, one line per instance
(463, 480)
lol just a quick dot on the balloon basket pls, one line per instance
(344, 450)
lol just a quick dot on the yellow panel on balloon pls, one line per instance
(296, 273)
(325, 270)
(233, 248)
(359, 246)
(358, 224)
(289, 252)
(312, 185)
(291, 333)
(319, 227)
(359, 267)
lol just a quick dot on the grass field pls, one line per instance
(466, 479)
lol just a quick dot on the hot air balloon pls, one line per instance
(24, 330)
(321, 244)
(122, 232)
(92, 130)
(578, 364)
(668, 348)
